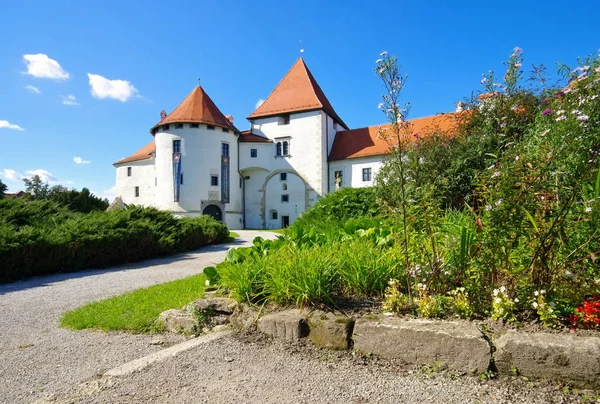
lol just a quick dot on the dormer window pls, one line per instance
(165, 128)
(194, 125)
(210, 127)
(225, 130)
(178, 126)
(284, 119)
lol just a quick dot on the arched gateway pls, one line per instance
(214, 211)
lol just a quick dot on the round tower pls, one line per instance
(197, 161)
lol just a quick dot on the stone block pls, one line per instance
(176, 320)
(458, 345)
(244, 317)
(220, 305)
(290, 325)
(566, 358)
(328, 330)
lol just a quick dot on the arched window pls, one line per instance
(279, 148)
(286, 148)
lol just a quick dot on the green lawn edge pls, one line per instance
(135, 311)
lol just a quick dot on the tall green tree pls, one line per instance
(36, 187)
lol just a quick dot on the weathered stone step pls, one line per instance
(568, 358)
(459, 345)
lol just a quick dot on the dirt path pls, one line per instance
(38, 357)
(235, 369)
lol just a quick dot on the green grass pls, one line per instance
(280, 231)
(135, 311)
(233, 234)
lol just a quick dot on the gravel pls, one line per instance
(237, 369)
(38, 357)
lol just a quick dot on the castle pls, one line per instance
(297, 150)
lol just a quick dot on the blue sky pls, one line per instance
(240, 50)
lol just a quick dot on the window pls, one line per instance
(194, 125)
(253, 153)
(210, 127)
(225, 130)
(285, 198)
(283, 177)
(129, 171)
(178, 126)
(285, 187)
(286, 148)
(225, 149)
(137, 192)
(284, 120)
(176, 146)
(283, 148)
(181, 178)
(165, 128)
(274, 214)
(214, 180)
(366, 174)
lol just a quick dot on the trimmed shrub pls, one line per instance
(41, 237)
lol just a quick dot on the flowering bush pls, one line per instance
(587, 315)
(459, 302)
(503, 307)
(394, 300)
(547, 314)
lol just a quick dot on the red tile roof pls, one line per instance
(298, 91)
(142, 154)
(365, 142)
(247, 136)
(197, 108)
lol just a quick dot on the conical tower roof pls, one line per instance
(197, 107)
(298, 91)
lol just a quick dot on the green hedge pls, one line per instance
(41, 237)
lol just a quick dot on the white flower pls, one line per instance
(488, 207)
(422, 160)
(535, 305)
(498, 202)
(583, 118)
(561, 118)
(588, 209)
(543, 292)
(495, 293)
(380, 105)
(518, 64)
(379, 61)
(497, 300)
(516, 300)
(517, 158)
(483, 80)
(496, 174)
(501, 310)
(383, 53)
(536, 293)
(550, 310)
(576, 112)
(502, 289)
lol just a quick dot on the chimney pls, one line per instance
(163, 115)
(229, 118)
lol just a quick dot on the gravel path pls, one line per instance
(38, 357)
(238, 370)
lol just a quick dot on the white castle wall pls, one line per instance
(143, 176)
(352, 171)
(201, 158)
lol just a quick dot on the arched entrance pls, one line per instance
(214, 211)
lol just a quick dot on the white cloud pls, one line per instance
(70, 100)
(8, 125)
(44, 175)
(79, 160)
(102, 87)
(41, 66)
(33, 89)
(110, 193)
(11, 175)
(259, 103)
